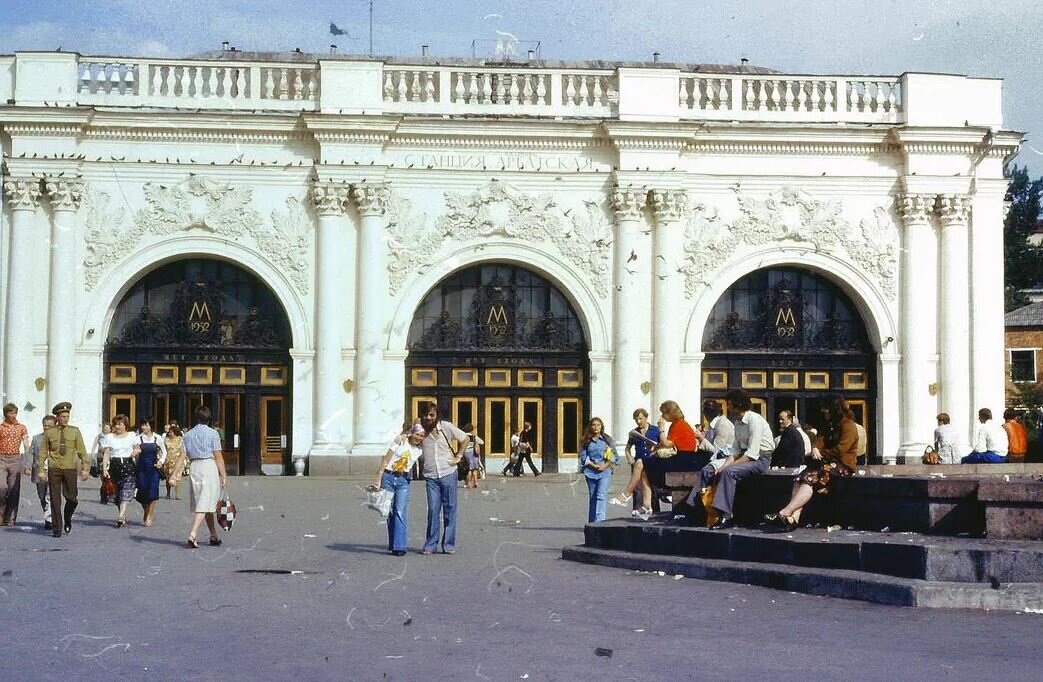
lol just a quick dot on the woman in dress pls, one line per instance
(394, 476)
(152, 455)
(596, 459)
(473, 455)
(173, 444)
(836, 459)
(97, 453)
(118, 464)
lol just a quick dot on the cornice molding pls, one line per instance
(192, 135)
(500, 143)
(42, 129)
(789, 147)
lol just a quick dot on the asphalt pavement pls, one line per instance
(303, 588)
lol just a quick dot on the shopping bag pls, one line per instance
(225, 511)
(379, 500)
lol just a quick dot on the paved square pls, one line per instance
(108, 604)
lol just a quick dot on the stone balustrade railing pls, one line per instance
(207, 84)
(626, 92)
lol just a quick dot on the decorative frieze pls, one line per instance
(628, 204)
(329, 198)
(64, 193)
(669, 206)
(498, 210)
(953, 209)
(789, 216)
(23, 194)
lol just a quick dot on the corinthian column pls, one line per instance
(64, 195)
(332, 422)
(630, 314)
(23, 196)
(669, 208)
(954, 327)
(370, 421)
(918, 314)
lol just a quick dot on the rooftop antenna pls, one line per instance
(370, 28)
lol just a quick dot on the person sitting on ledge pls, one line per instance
(681, 438)
(1017, 438)
(751, 455)
(990, 443)
(837, 458)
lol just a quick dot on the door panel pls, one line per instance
(570, 426)
(531, 410)
(273, 430)
(498, 427)
(123, 403)
(160, 410)
(465, 411)
(231, 424)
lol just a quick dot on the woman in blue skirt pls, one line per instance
(151, 457)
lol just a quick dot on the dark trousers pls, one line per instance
(62, 481)
(522, 458)
(724, 498)
(10, 486)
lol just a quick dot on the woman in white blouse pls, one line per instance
(394, 476)
(118, 463)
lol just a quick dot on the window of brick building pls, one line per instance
(1022, 365)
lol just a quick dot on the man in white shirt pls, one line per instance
(440, 460)
(946, 440)
(990, 443)
(720, 436)
(751, 455)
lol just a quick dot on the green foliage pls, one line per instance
(1023, 263)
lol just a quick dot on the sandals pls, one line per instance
(191, 543)
(120, 523)
(786, 523)
(215, 541)
(643, 513)
(621, 500)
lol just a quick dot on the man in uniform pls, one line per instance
(32, 468)
(14, 439)
(62, 446)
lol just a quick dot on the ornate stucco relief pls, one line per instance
(789, 216)
(197, 204)
(499, 210)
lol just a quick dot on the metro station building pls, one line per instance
(313, 245)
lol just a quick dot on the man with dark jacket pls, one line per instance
(789, 452)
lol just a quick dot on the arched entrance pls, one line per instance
(497, 345)
(205, 332)
(790, 337)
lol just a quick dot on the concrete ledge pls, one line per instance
(904, 555)
(825, 582)
(343, 465)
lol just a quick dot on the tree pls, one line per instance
(1023, 262)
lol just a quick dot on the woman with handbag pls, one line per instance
(202, 449)
(152, 456)
(118, 464)
(173, 443)
(596, 459)
(394, 477)
(838, 458)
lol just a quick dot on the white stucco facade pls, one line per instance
(351, 188)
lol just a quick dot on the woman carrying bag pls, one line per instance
(394, 476)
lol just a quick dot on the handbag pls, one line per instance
(706, 497)
(379, 500)
(665, 453)
(930, 456)
(225, 511)
(108, 488)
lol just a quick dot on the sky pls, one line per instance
(997, 38)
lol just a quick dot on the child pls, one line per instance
(394, 475)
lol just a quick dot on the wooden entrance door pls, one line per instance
(273, 433)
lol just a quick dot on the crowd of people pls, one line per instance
(130, 460)
(728, 446)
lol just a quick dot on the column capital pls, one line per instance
(371, 200)
(65, 193)
(953, 209)
(23, 194)
(669, 206)
(329, 198)
(627, 204)
(915, 208)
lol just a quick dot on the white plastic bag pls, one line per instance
(380, 501)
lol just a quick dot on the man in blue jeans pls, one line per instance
(440, 449)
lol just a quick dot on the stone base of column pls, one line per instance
(909, 453)
(343, 465)
(369, 449)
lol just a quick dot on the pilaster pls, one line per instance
(669, 208)
(953, 211)
(630, 314)
(64, 195)
(23, 198)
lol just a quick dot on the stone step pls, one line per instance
(904, 555)
(828, 582)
